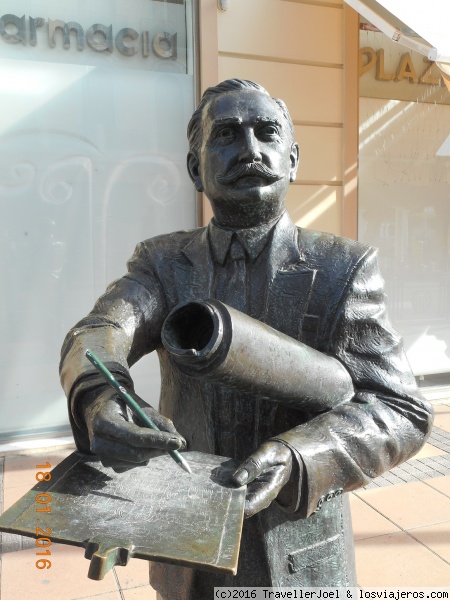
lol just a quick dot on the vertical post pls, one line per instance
(208, 71)
(351, 123)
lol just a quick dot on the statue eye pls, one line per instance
(226, 133)
(268, 130)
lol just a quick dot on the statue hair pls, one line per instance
(194, 129)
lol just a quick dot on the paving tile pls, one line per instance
(11, 495)
(428, 450)
(367, 522)
(435, 537)
(377, 483)
(407, 472)
(397, 559)
(107, 596)
(442, 484)
(135, 574)
(20, 473)
(409, 505)
(140, 593)
(21, 470)
(418, 469)
(425, 465)
(442, 459)
(392, 478)
(438, 436)
(15, 543)
(437, 433)
(442, 416)
(66, 579)
(395, 477)
(441, 464)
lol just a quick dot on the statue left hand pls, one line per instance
(265, 472)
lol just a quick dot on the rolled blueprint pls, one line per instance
(214, 342)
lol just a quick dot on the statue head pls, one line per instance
(242, 152)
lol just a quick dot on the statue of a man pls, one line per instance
(320, 289)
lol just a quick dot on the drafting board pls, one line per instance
(155, 512)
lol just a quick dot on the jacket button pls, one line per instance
(330, 496)
(338, 492)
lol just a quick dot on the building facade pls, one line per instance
(96, 102)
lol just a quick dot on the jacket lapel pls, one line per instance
(194, 269)
(290, 281)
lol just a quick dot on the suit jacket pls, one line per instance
(323, 290)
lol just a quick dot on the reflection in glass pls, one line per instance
(404, 208)
(92, 161)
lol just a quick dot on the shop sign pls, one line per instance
(369, 59)
(147, 35)
(387, 70)
(99, 37)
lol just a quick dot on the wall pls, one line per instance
(297, 50)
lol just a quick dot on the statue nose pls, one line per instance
(250, 151)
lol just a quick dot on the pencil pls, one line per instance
(132, 404)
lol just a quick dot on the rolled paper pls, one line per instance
(212, 341)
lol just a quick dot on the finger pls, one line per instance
(121, 456)
(117, 429)
(159, 420)
(265, 489)
(266, 457)
(249, 470)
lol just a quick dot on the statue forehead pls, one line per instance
(244, 104)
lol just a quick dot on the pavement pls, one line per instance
(401, 524)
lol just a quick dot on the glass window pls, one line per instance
(95, 98)
(404, 192)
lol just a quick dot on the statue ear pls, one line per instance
(295, 158)
(193, 166)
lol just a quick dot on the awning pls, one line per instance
(422, 26)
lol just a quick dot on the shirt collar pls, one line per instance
(253, 239)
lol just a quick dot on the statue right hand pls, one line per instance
(119, 441)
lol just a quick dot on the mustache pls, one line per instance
(246, 170)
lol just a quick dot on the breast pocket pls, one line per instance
(309, 330)
(288, 300)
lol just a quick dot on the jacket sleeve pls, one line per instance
(123, 326)
(386, 422)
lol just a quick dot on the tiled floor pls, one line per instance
(401, 522)
(401, 526)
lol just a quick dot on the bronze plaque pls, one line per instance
(155, 512)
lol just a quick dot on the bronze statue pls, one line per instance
(322, 290)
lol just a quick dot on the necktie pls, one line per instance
(233, 289)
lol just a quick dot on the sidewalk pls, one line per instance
(401, 525)
(401, 522)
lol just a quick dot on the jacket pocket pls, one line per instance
(319, 564)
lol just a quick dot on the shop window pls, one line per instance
(404, 193)
(96, 97)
